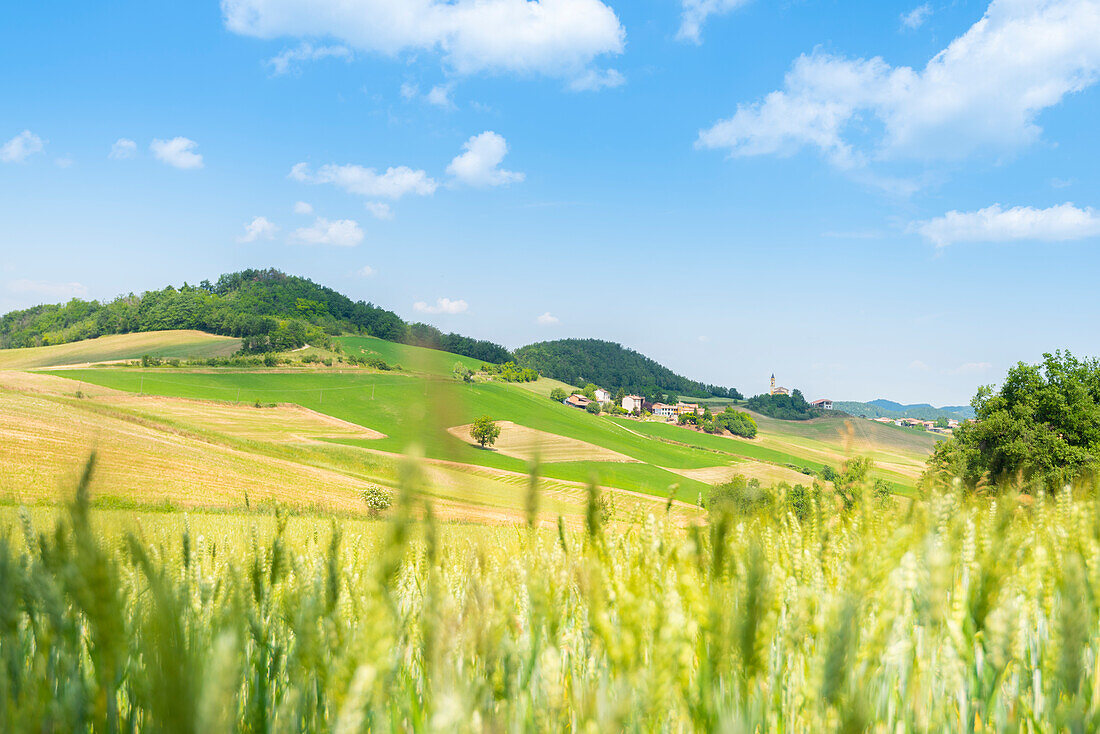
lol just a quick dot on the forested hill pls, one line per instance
(269, 310)
(889, 409)
(609, 365)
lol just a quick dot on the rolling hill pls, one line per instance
(609, 365)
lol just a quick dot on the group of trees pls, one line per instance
(736, 422)
(269, 310)
(791, 407)
(1042, 428)
(510, 372)
(578, 361)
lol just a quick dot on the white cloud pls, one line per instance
(918, 366)
(393, 184)
(292, 59)
(984, 91)
(409, 91)
(301, 207)
(366, 271)
(379, 209)
(442, 305)
(258, 229)
(21, 147)
(479, 163)
(696, 12)
(916, 17)
(558, 38)
(47, 289)
(177, 152)
(123, 148)
(440, 96)
(338, 232)
(995, 224)
(594, 80)
(547, 319)
(64, 162)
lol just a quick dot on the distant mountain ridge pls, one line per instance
(882, 408)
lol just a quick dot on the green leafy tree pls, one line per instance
(589, 391)
(462, 372)
(1041, 428)
(593, 408)
(558, 395)
(485, 431)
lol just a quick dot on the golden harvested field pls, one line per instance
(44, 443)
(284, 423)
(195, 453)
(767, 473)
(181, 344)
(531, 444)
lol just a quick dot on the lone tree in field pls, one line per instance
(485, 431)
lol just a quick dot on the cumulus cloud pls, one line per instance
(338, 232)
(301, 207)
(696, 12)
(258, 229)
(21, 147)
(479, 163)
(365, 272)
(995, 224)
(122, 149)
(292, 59)
(379, 209)
(915, 18)
(983, 92)
(409, 91)
(440, 96)
(48, 289)
(547, 319)
(442, 305)
(558, 38)
(394, 183)
(177, 152)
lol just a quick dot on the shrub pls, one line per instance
(593, 408)
(376, 499)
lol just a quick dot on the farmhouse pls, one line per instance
(577, 401)
(778, 390)
(663, 410)
(824, 404)
(682, 408)
(602, 396)
(632, 403)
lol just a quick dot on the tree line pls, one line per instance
(267, 309)
(791, 407)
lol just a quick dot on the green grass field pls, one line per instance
(166, 344)
(416, 359)
(415, 411)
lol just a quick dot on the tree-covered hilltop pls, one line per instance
(611, 366)
(1041, 429)
(791, 407)
(269, 310)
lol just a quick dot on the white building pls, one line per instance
(824, 404)
(664, 411)
(631, 403)
(602, 396)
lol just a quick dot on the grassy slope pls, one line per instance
(152, 450)
(416, 411)
(417, 359)
(167, 344)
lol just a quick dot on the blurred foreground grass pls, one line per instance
(945, 614)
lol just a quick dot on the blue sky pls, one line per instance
(869, 199)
